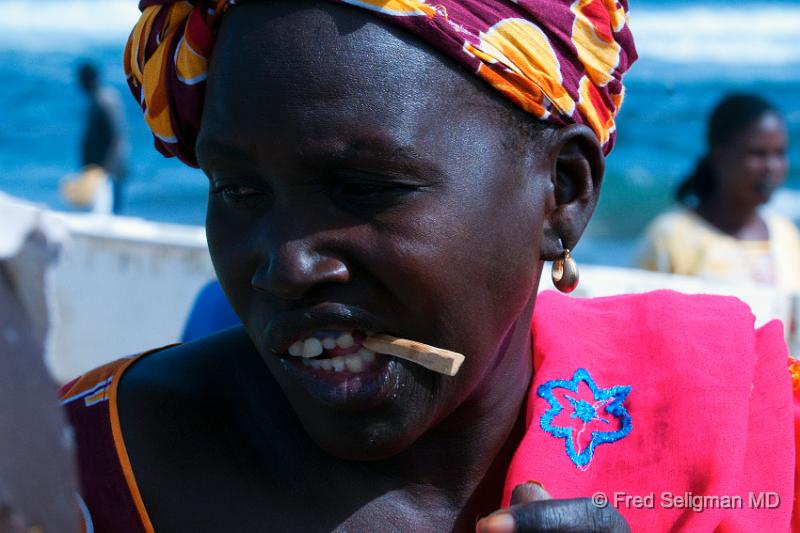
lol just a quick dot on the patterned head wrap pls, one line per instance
(560, 60)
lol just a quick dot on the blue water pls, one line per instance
(691, 54)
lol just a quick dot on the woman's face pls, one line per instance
(358, 182)
(753, 164)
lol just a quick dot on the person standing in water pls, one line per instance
(719, 231)
(103, 144)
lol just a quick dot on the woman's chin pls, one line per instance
(368, 387)
(369, 453)
(364, 446)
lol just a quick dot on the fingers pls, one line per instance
(499, 522)
(532, 491)
(567, 516)
(533, 510)
(503, 521)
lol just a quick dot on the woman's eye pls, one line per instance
(238, 192)
(361, 189)
(369, 190)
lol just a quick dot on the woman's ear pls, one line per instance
(576, 175)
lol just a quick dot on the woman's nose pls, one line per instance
(296, 267)
(776, 165)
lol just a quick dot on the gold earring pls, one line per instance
(565, 272)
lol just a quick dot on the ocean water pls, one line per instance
(691, 53)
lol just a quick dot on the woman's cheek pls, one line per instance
(233, 259)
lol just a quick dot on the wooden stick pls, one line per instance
(436, 359)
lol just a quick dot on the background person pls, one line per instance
(719, 231)
(103, 144)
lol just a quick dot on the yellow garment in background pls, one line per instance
(681, 242)
(87, 188)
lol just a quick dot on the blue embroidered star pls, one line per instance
(586, 414)
(586, 411)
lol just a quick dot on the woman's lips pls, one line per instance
(328, 331)
(352, 353)
(286, 328)
(352, 382)
(334, 367)
(352, 362)
(766, 188)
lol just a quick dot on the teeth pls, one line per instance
(354, 363)
(345, 340)
(296, 349)
(367, 355)
(329, 343)
(312, 347)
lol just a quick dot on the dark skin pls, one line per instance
(365, 184)
(749, 168)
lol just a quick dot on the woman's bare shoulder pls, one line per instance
(196, 385)
(191, 411)
(199, 368)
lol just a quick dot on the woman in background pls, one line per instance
(719, 232)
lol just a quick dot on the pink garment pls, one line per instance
(709, 411)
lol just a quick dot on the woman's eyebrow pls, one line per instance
(214, 149)
(401, 156)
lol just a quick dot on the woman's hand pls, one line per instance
(532, 510)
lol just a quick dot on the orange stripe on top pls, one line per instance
(89, 381)
(119, 442)
(101, 385)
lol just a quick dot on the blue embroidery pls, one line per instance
(584, 410)
(611, 400)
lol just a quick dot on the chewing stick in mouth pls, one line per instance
(436, 359)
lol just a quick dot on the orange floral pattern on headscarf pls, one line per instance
(559, 60)
(594, 111)
(399, 8)
(529, 75)
(593, 37)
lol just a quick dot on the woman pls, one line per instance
(363, 180)
(719, 232)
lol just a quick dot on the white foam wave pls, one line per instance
(744, 33)
(748, 34)
(46, 22)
